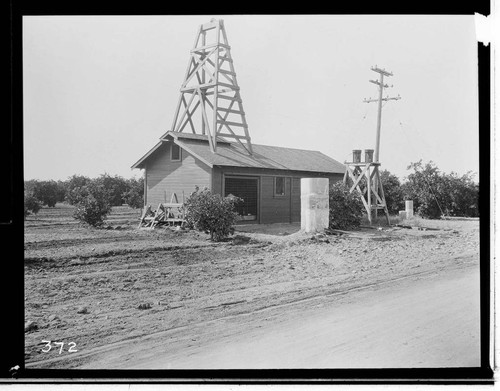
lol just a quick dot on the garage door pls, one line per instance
(247, 189)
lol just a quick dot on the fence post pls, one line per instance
(409, 209)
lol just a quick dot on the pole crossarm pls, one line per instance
(381, 71)
(210, 73)
(378, 83)
(383, 99)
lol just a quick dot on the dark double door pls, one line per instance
(246, 189)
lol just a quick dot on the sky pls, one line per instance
(99, 91)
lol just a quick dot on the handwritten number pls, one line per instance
(72, 347)
(49, 346)
(59, 343)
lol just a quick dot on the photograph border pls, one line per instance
(12, 223)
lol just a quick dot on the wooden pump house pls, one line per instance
(209, 144)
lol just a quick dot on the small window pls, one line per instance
(175, 153)
(279, 186)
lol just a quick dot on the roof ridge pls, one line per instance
(233, 143)
(191, 136)
(297, 149)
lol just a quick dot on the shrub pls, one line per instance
(134, 196)
(74, 186)
(30, 185)
(464, 195)
(119, 190)
(92, 203)
(31, 204)
(424, 187)
(116, 186)
(47, 192)
(61, 191)
(435, 193)
(211, 213)
(346, 209)
(393, 192)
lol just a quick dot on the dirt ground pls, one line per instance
(422, 321)
(197, 288)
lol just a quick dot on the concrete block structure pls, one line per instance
(314, 197)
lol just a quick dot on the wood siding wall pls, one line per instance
(217, 175)
(164, 177)
(275, 209)
(272, 209)
(295, 200)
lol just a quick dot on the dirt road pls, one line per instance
(426, 321)
(129, 298)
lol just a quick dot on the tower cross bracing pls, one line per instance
(210, 102)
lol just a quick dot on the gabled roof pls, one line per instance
(264, 156)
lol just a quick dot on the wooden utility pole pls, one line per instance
(365, 176)
(381, 86)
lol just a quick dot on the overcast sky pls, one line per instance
(99, 91)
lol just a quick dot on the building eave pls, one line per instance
(139, 164)
(168, 137)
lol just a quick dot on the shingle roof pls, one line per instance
(264, 156)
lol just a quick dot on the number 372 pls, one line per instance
(48, 346)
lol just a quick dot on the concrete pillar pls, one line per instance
(314, 204)
(409, 209)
